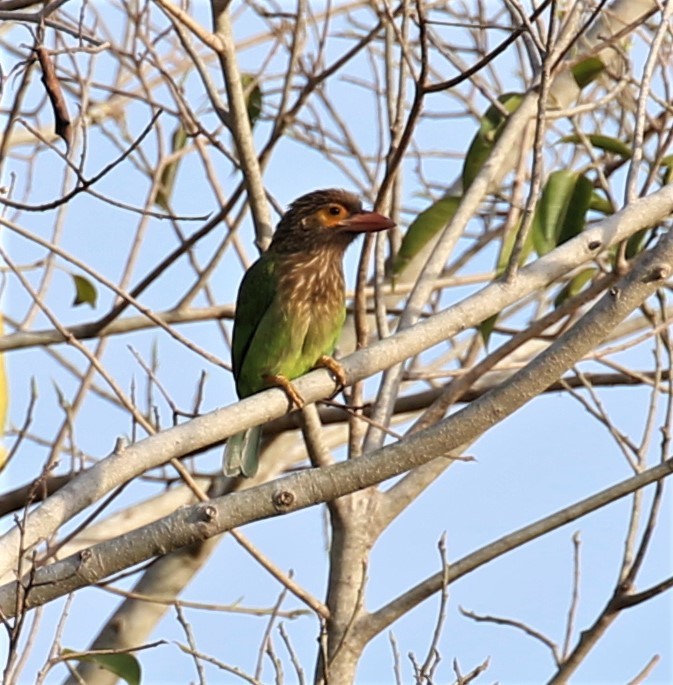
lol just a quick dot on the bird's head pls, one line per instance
(325, 218)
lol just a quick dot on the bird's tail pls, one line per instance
(241, 453)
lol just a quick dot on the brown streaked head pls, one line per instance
(330, 217)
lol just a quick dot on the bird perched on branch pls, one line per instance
(290, 307)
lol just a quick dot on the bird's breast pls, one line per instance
(311, 287)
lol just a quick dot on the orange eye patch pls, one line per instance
(333, 214)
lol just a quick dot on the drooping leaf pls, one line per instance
(124, 666)
(170, 170)
(253, 97)
(576, 210)
(423, 228)
(85, 291)
(559, 215)
(490, 128)
(561, 211)
(607, 143)
(602, 204)
(636, 243)
(667, 168)
(507, 246)
(486, 327)
(587, 70)
(574, 285)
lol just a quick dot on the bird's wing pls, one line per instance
(255, 296)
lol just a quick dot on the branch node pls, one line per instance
(208, 513)
(283, 500)
(121, 443)
(660, 272)
(84, 559)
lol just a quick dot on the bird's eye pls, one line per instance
(335, 210)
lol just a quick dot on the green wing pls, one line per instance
(276, 333)
(255, 296)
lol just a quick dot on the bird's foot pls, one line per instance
(282, 382)
(333, 366)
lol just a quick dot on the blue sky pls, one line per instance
(547, 456)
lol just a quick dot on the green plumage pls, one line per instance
(290, 306)
(274, 333)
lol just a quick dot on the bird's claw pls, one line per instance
(333, 366)
(292, 393)
(326, 362)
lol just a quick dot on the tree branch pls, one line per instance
(215, 426)
(386, 615)
(301, 490)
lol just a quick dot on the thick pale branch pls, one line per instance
(408, 405)
(205, 430)
(304, 489)
(137, 616)
(384, 617)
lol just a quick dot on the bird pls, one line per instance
(290, 307)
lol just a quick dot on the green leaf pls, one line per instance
(561, 211)
(574, 285)
(507, 247)
(85, 291)
(559, 215)
(601, 203)
(124, 666)
(587, 70)
(486, 328)
(490, 128)
(667, 168)
(636, 243)
(170, 170)
(253, 97)
(606, 143)
(423, 228)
